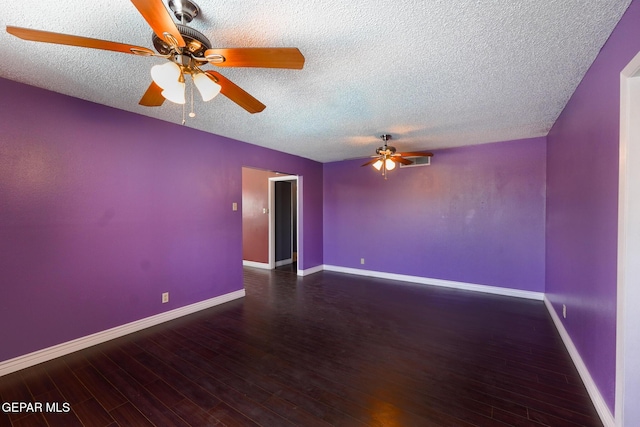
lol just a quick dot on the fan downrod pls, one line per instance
(386, 149)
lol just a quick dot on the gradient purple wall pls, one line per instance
(102, 210)
(475, 215)
(582, 206)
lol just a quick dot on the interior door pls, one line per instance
(283, 223)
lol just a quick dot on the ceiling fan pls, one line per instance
(186, 50)
(386, 157)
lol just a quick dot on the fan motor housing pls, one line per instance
(387, 149)
(195, 42)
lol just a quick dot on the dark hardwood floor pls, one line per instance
(326, 349)
(288, 267)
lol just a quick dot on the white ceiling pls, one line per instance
(433, 73)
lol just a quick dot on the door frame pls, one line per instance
(272, 219)
(628, 287)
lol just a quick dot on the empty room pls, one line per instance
(320, 214)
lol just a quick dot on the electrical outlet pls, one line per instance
(564, 311)
(234, 206)
(165, 297)
(361, 260)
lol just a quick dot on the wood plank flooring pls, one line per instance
(324, 350)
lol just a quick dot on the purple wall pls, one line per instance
(102, 210)
(475, 215)
(582, 180)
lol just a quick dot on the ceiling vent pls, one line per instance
(417, 161)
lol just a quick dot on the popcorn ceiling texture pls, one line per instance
(434, 73)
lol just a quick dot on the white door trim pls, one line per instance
(272, 218)
(627, 411)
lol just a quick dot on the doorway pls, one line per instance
(284, 219)
(259, 211)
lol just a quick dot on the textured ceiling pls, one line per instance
(433, 73)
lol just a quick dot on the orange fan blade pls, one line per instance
(153, 96)
(159, 19)
(236, 94)
(267, 57)
(399, 159)
(375, 159)
(416, 154)
(57, 38)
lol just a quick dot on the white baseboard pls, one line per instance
(312, 270)
(31, 359)
(284, 262)
(598, 401)
(263, 265)
(439, 282)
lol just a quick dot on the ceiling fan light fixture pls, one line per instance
(166, 75)
(208, 88)
(175, 93)
(386, 157)
(186, 49)
(389, 164)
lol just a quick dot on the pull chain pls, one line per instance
(184, 106)
(192, 113)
